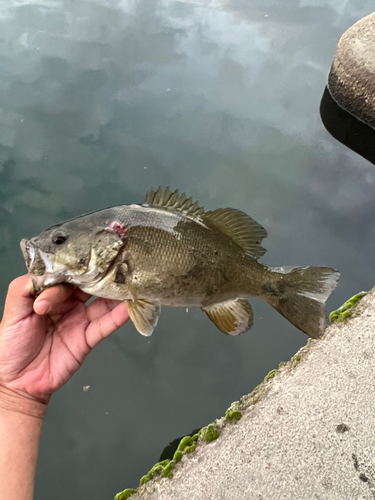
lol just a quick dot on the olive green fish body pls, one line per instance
(171, 252)
(184, 267)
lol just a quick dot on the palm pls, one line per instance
(49, 355)
(39, 354)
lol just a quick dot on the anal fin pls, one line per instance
(144, 315)
(231, 317)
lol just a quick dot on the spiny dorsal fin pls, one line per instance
(164, 198)
(240, 227)
(232, 317)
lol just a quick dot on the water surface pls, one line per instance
(99, 100)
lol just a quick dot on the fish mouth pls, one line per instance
(39, 265)
(28, 253)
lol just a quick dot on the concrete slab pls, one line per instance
(306, 433)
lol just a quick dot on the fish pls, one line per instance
(169, 251)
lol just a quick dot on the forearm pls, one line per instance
(20, 429)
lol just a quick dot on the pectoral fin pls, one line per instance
(144, 316)
(232, 317)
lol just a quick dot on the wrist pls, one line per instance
(11, 401)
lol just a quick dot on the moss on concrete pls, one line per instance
(295, 360)
(210, 433)
(165, 468)
(124, 495)
(270, 375)
(168, 470)
(177, 456)
(157, 469)
(346, 310)
(187, 442)
(190, 449)
(233, 415)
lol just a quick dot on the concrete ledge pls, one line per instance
(306, 432)
(351, 81)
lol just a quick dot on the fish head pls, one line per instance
(80, 251)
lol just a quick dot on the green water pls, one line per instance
(99, 100)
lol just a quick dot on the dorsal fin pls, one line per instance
(240, 227)
(164, 198)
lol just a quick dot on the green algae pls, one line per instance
(124, 495)
(188, 442)
(295, 360)
(177, 456)
(345, 311)
(270, 375)
(210, 433)
(157, 470)
(163, 468)
(191, 448)
(168, 470)
(281, 364)
(233, 415)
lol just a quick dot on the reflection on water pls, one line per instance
(101, 99)
(12, 190)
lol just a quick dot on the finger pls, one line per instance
(81, 295)
(52, 297)
(19, 301)
(100, 307)
(102, 327)
(64, 307)
(78, 297)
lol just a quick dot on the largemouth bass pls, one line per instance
(169, 251)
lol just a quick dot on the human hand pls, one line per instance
(44, 341)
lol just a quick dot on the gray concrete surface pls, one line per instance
(311, 434)
(351, 81)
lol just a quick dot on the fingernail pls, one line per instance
(30, 287)
(42, 307)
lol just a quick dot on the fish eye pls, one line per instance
(59, 238)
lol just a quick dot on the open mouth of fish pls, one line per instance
(40, 266)
(37, 262)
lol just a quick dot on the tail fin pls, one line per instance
(301, 295)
